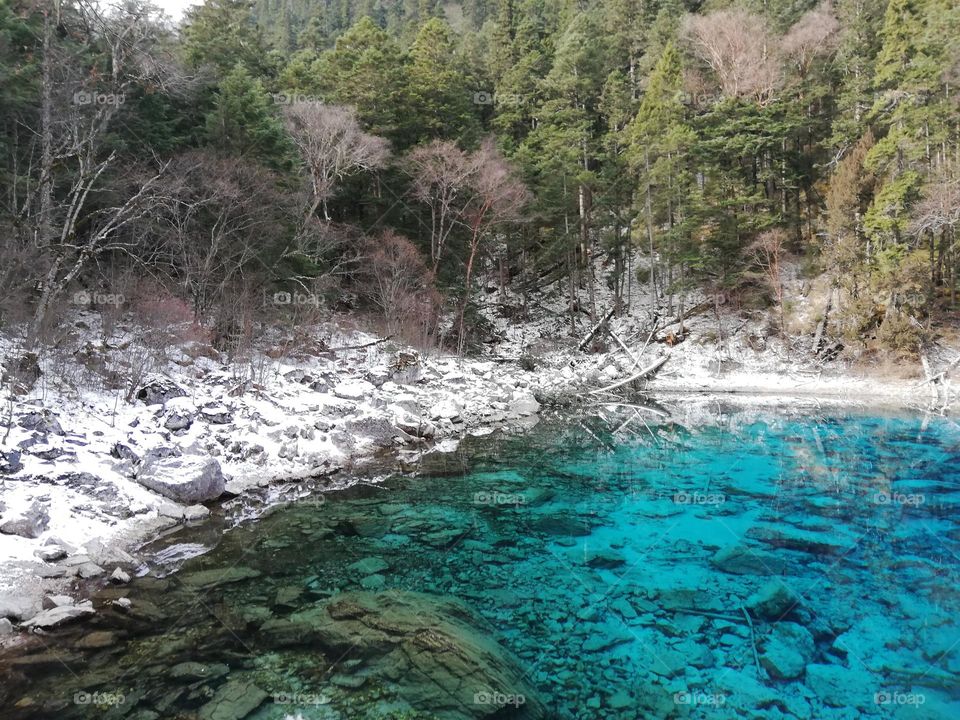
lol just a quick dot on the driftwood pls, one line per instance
(360, 347)
(931, 378)
(659, 412)
(650, 369)
(753, 642)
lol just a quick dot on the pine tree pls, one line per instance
(245, 120)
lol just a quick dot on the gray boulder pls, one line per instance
(184, 479)
(158, 390)
(20, 606)
(41, 422)
(31, 523)
(59, 615)
(10, 463)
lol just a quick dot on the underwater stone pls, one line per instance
(234, 700)
(841, 687)
(436, 649)
(772, 601)
(198, 671)
(368, 566)
(742, 560)
(204, 579)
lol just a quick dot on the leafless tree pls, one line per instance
(441, 172)
(401, 286)
(78, 104)
(333, 146)
(216, 217)
(740, 48)
(815, 34)
(767, 251)
(496, 198)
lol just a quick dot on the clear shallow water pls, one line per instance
(755, 566)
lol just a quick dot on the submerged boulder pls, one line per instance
(436, 650)
(184, 479)
(772, 601)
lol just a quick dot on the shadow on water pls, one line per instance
(617, 565)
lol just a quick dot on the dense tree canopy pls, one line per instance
(639, 130)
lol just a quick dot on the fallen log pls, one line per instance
(595, 330)
(650, 369)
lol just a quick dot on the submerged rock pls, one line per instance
(772, 601)
(842, 687)
(234, 700)
(742, 560)
(203, 579)
(435, 650)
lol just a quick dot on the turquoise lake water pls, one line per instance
(617, 565)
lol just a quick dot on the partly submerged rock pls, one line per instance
(184, 479)
(439, 653)
(59, 615)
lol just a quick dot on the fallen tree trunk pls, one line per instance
(595, 330)
(649, 370)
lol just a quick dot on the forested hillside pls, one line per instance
(264, 163)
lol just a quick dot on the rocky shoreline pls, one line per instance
(88, 477)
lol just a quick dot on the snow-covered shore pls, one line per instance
(88, 475)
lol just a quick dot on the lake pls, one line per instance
(618, 564)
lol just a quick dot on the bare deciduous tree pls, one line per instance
(815, 34)
(440, 174)
(767, 252)
(401, 286)
(78, 105)
(497, 197)
(740, 48)
(333, 146)
(216, 217)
